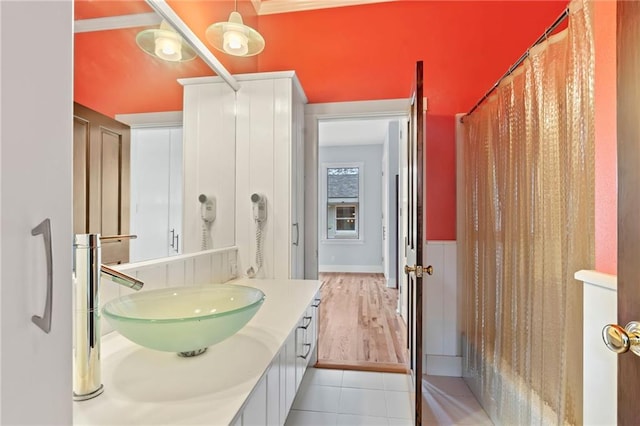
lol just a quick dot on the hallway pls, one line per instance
(359, 326)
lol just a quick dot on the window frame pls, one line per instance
(324, 203)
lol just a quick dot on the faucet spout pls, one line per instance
(120, 278)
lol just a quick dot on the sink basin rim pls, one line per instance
(120, 317)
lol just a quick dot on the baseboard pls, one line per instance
(375, 269)
(443, 365)
(391, 283)
(382, 367)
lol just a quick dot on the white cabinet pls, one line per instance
(209, 144)
(270, 161)
(35, 176)
(156, 192)
(271, 400)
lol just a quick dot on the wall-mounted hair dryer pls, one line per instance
(207, 208)
(259, 207)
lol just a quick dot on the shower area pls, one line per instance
(526, 161)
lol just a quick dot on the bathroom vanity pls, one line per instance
(249, 379)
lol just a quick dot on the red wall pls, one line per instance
(369, 52)
(340, 54)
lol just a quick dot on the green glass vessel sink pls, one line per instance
(185, 320)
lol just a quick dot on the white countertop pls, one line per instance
(143, 386)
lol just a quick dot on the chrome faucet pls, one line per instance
(87, 274)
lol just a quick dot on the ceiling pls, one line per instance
(353, 132)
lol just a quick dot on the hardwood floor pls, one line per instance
(359, 327)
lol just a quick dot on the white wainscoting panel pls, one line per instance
(600, 365)
(206, 267)
(441, 328)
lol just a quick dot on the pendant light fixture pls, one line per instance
(165, 43)
(234, 37)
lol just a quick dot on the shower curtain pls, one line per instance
(529, 226)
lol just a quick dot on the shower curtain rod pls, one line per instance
(513, 67)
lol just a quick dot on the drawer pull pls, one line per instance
(305, 326)
(317, 303)
(306, 355)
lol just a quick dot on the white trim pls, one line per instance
(324, 202)
(250, 77)
(285, 6)
(442, 365)
(600, 279)
(375, 269)
(441, 242)
(313, 113)
(171, 259)
(360, 109)
(151, 119)
(116, 22)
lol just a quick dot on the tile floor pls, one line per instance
(361, 398)
(354, 398)
(448, 401)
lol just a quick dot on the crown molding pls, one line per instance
(270, 7)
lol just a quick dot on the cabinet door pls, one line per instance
(290, 366)
(156, 192)
(273, 393)
(255, 412)
(150, 171)
(35, 176)
(297, 187)
(175, 191)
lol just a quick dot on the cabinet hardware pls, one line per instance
(44, 322)
(173, 238)
(317, 303)
(308, 346)
(305, 326)
(297, 234)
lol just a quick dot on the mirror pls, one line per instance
(120, 81)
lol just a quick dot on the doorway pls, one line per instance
(358, 244)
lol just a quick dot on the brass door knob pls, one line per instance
(621, 340)
(418, 270)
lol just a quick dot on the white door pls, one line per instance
(36, 84)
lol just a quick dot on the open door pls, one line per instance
(414, 239)
(628, 200)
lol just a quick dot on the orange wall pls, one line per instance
(606, 242)
(369, 52)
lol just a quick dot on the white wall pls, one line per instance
(356, 256)
(393, 140)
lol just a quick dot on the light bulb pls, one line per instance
(235, 43)
(168, 47)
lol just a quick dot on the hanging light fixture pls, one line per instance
(165, 43)
(234, 37)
